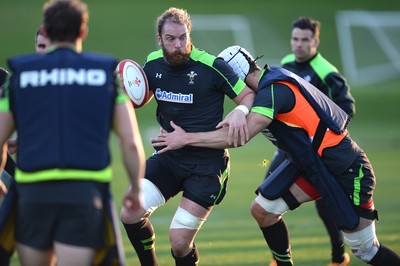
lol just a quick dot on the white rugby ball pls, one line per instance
(134, 81)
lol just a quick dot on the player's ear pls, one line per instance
(159, 40)
(316, 42)
(83, 32)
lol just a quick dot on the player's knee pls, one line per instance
(180, 245)
(363, 243)
(266, 211)
(152, 199)
(185, 220)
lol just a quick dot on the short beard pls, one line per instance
(177, 58)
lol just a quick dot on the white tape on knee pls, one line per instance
(277, 206)
(364, 243)
(152, 196)
(184, 219)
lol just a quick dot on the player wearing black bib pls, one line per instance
(189, 86)
(308, 63)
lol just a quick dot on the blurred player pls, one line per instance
(7, 170)
(323, 160)
(63, 195)
(308, 63)
(189, 86)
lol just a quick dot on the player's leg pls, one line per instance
(68, 255)
(364, 244)
(276, 160)
(338, 254)
(157, 186)
(268, 214)
(363, 241)
(204, 186)
(34, 257)
(185, 225)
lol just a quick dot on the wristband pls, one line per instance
(242, 108)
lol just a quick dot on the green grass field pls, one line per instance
(230, 236)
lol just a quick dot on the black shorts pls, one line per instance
(72, 221)
(359, 182)
(204, 184)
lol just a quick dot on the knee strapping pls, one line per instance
(277, 206)
(184, 219)
(364, 243)
(152, 196)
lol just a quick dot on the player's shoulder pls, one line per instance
(154, 55)
(320, 64)
(323, 67)
(95, 56)
(23, 59)
(288, 59)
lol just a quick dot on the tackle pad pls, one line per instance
(279, 180)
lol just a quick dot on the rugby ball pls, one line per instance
(134, 81)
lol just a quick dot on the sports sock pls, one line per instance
(385, 257)
(142, 238)
(335, 235)
(191, 259)
(277, 238)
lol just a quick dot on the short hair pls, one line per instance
(63, 19)
(175, 15)
(306, 23)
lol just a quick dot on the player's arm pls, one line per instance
(6, 129)
(241, 94)
(340, 92)
(213, 139)
(236, 119)
(127, 130)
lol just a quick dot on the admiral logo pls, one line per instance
(173, 97)
(63, 76)
(191, 76)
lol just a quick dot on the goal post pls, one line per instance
(373, 35)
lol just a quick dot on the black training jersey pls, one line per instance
(323, 75)
(192, 95)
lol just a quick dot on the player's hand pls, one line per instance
(133, 200)
(12, 146)
(238, 130)
(3, 189)
(170, 140)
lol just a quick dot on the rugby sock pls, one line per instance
(142, 238)
(385, 257)
(277, 238)
(191, 259)
(336, 236)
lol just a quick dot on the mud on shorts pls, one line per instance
(204, 184)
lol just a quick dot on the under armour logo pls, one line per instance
(213, 196)
(158, 75)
